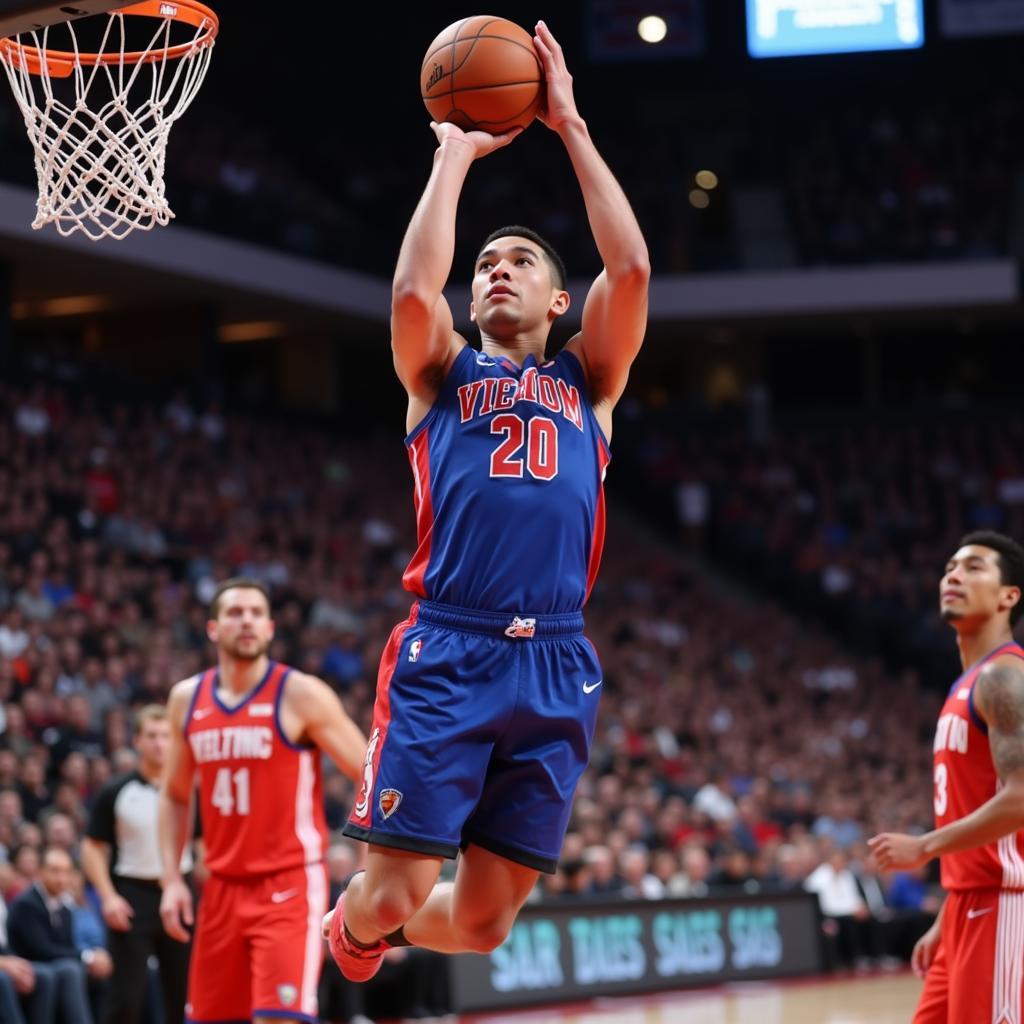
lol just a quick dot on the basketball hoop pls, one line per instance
(100, 123)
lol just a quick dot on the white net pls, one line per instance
(100, 132)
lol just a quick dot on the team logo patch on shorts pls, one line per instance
(521, 628)
(287, 994)
(389, 801)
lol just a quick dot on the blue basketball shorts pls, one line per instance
(481, 730)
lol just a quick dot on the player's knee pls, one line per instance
(389, 909)
(486, 935)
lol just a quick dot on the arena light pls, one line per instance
(67, 305)
(251, 330)
(652, 29)
(707, 180)
(699, 198)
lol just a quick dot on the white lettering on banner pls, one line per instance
(755, 938)
(530, 958)
(245, 742)
(607, 949)
(688, 943)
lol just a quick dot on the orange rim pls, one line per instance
(61, 63)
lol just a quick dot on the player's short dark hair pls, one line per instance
(558, 274)
(1011, 562)
(240, 582)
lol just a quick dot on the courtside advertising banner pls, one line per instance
(580, 950)
(981, 17)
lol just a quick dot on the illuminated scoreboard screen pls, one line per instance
(793, 28)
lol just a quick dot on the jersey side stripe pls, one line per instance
(1008, 977)
(316, 904)
(419, 459)
(1010, 858)
(597, 539)
(305, 829)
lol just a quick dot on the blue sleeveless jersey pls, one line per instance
(509, 467)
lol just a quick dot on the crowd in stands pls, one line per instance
(926, 181)
(737, 748)
(883, 177)
(882, 183)
(847, 519)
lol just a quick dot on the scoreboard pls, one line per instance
(789, 28)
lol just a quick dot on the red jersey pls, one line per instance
(965, 778)
(260, 796)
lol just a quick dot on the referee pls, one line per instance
(121, 858)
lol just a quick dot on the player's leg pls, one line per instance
(219, 982)
(281, 920)
(393, 888)
(985, 959)
(933, 1004)
(475, 912)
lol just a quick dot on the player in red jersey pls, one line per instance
(973, 956)
(248, 731)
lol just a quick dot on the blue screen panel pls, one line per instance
(793, 28)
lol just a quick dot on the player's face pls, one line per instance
(972, 588)
(243, 628)
(513, 287)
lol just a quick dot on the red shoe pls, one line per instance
(356, 963)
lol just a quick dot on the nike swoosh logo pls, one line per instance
(972, 914)
(282, 897)
(201, 713)
(591, 687)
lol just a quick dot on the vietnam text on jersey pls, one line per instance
(260, 795)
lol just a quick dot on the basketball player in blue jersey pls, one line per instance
(487, 694)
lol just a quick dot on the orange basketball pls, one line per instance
(482, 73)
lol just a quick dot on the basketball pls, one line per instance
(482, 73)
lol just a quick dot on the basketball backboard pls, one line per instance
(18, 16)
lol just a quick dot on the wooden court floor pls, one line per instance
(877, 999)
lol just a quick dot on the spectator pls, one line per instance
(846, 915)
(39, 926)
(26, 997)
(77, 735)
(638, 883)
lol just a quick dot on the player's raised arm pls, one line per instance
(615, 313)
(422, 330)
(324, 722)
(999, 700)
(172, 815)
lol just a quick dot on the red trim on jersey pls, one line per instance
(381, 720)
(419, 459)
(597, 543)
